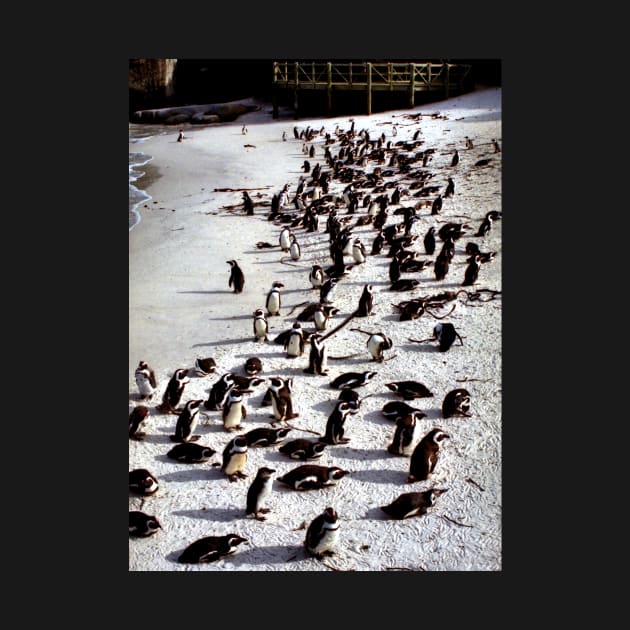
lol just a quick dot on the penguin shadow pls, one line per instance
(135, 397)
(152, 438)
(223, 342)
(382, 476)
(204, 473)
(418, 347)
(376, 514)
(222, 515)
(270, 554)
(364, 454)
(208, 292)
(232, 317)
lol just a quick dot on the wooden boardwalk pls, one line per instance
(410, 77)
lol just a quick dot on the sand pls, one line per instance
(181, 308)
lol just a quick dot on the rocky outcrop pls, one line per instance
(194, 114)
(151, 80)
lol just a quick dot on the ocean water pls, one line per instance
(137, 159)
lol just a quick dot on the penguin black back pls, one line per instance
(237, 278)
(425, 455)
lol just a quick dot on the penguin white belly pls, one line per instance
(295, 251)
(284, 241)
(273, 304)
(358, 256)
(308, 479)
(236, 463)
(232, 417)
(144, 386)
(293, 347)
(320, 320)
(330, 538)
(260, 329)
(265, 491)
(374, 346)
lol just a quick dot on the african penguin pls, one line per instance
(312, 477)
(265, 436)
(455, 159)
(318, 356)
(316, 276)
(253, 365)
(210, 548)
(445, 334)
(358, 251)
(396, 409)
(327, 291)
(429, 241)
(218, 392)
(137, 418)
(273, 302)
(409, 390)
(303, 448)
(403, 435)
(141, 481)
(352, 379)
(335, 425)
(471, 272)
(366, 302)
(294, 249)
(285, 239)
(322, 535)
(237, 278)
(425, 455)
(174, 391)
(187, 422)
(190, 453)
(261, 326)
(456, 403)
(145, 380)
(205, 366)
(294, 345)
(281, 399)
(142, 525)
(234, 458)
(412, 503)
(234, 410)
(259, 492)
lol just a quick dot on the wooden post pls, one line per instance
(329, 90)
(369, 88)
(447, 78)
(274, 90)
(295, 91)
(412, 84)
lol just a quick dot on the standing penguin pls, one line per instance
(486, 226)
(436, 206)
(456, 403)
(137, 418)
(403, 435)
(469, 143)
(234, 410)
(327, 291)
(377, 243)
(366, 302)
(441, 265)
(285, 239)
(294, 248)
(429, 241)
(358, 251)
(334, 433)
(450, 188)
(180, 137)
(281, 399)
(472, 270)
(258, 492)
(316, 276)
(174, 391)
(294, 345)
(237, 278)
(187, 422)
(274, 302)
(235, 458)
(322, 535)
(445, 334)
(145, 380)
(455, 160)
(318, 356)
(261, 326)
(320, 317)
(218, 392)
(425, 455)
(248, 204)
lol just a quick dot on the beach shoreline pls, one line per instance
(181, 308)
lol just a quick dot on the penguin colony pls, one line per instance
(395, 203)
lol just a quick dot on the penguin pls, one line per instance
(366, 302)
(187, 422)
(413, 265)
(358, 251)
(409, 390)
(281, 399)
(206, 366)
(174, 391)
(352, 379)
(311, 151)
(303, 449)
(377, 243)
(141, 481)
(190, 453)
(294, 345)
(318, 356)
(472, 248)
(411, 504)
(483, 162)
(441, 266)
(284, 136)
(253, 365)
(306, 167)
(350, 395)
(455, 159)
(376, 344)
(180, 137)
(235, 458)
(142, 525)
(294, 249)
(404, 284)
(258, 492)
(137, 418)
(425, 455)
(245, 383)
(274, 302)
(429, 241)
(394, 270)
(261, 326)
(445, 334)
(265, 436)
(334, 433)
(485, 226)
(436, 206)
(312, 477)
(285, 239)
(495, 144)
(145, 381)
(472, 270)
(450, 189)
(327, 291)
(403, 435)
(456, 403)
(248, 204)
(234, 410)
(452, 231)
(469, 143)
(237, 278)
(322, 535)
(296, 133)
(396, 409)
(316, 276)
(218, 392)
(244, 130)
(210, 548)
(320, 317)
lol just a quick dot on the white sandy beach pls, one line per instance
(181, 308)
